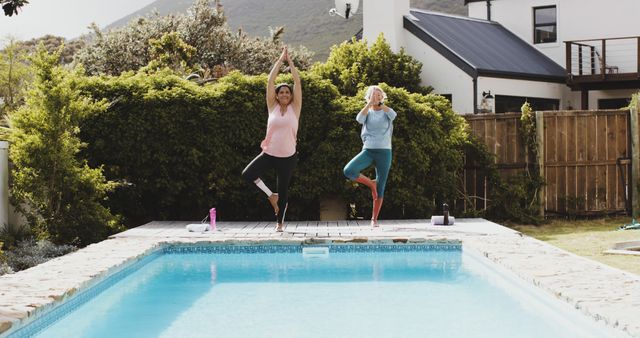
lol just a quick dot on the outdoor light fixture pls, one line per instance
(487, 102)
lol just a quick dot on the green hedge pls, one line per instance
(179, 148)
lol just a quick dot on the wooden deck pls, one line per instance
(313, 229)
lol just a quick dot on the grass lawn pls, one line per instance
(589, 238)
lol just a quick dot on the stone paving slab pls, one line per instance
(604, 293)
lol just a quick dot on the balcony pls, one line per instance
(601, 64)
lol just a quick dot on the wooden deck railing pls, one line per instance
(605, 58)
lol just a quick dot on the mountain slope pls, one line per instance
(307, 22)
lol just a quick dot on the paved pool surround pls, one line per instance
(601, 292)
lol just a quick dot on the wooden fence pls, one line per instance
(585, 159)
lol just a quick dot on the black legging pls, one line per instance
(284, 170)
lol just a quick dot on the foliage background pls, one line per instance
(180, 148)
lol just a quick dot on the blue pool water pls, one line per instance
(418, 293)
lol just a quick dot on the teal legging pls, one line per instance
(381, 158)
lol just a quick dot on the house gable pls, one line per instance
(482, 48)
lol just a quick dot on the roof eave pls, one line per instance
(425, 37)
(522, 76)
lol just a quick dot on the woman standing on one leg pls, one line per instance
(279, 146)
(377, 128)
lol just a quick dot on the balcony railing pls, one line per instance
(600, 60)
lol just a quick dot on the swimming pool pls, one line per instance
(402, 290)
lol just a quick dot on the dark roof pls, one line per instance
(482, 48)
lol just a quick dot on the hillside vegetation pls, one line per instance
(306, 22)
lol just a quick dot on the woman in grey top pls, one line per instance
(377, 129)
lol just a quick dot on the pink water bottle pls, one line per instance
(212, 219)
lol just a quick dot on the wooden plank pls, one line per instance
(571, 188)
(635, 158)
(551, 144)
(490, 136)
(552, 189)
(590, 136)
(601, 190)
(622, 137)
(591, 188)
(571, 139)
(613, 200)
(515, 143)
(561, 138)
(501, 133)
(581, 138)
(540, 131)
(602, 138)
(581, 188)
(561, 188)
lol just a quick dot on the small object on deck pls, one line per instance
(197, 227)
(634, 225)
(445, 219)
(445, 213)
(212, 219)
(439, 220)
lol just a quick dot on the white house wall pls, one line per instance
(384, 16)
(596, 95)
(576, 20)
(441, 74)
(546, 90)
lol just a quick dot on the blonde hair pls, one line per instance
(369, 92)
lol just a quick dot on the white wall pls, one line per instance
(576, 20)
(443, 75)
(595, 95)
(497, 86)
(384, 16)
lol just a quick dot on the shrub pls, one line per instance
(181, 147)
(512, 197)
(59, 194)
(12, 233)
(30, 253)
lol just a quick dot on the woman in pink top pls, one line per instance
(279, 145)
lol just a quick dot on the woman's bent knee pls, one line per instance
(246, 175)
(350, 173)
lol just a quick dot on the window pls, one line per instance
(448, 97)
(512, 104)
(613, 103)
(544, 24)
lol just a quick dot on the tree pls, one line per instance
(14, 75)
(51, 44)
(11, 7)
(57, 191)
(171, 52)
(353, 65)
(203, 27)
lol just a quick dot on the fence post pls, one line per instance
(540, 159)
(635, 159)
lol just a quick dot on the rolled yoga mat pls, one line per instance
(439, 220)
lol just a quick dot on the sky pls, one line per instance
(67, 18)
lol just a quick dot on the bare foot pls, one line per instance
(273, 199)
(279, 227)
(374, 223)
